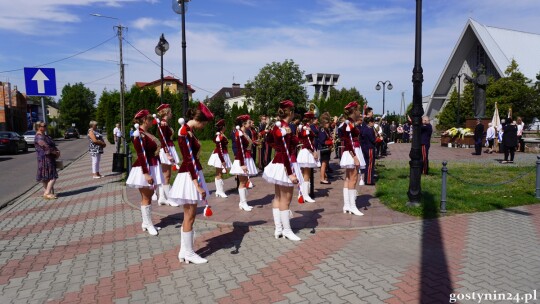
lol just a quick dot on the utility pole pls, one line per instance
(120, 28)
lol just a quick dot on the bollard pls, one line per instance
(443, 188)
(537, 176)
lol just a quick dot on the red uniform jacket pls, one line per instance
(347, 135)
(166, 139)
(184, 135)
(144, 145)
(242, 151)
(223, 141)
(281, 154)
(306, 139)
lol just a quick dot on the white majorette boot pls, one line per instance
(361, 182)
(219, 188)
(147, 220)
(164, 196)
(154, 196)
(352, 203)
(286, 221)
(346, 199)
(186, 253)
(243, 200)
(277, 221)
(305, 193)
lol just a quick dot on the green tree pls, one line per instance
(338, 100)
(274, 83)
(77, 106)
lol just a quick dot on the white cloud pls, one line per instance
(143, 23)
(338, 11)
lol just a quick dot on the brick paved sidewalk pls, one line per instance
(87, 247)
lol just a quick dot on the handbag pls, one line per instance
(59, 164)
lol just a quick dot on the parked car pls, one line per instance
(12, 142)
(29, 137)
(71, 133)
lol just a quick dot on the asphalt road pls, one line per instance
(18, 172)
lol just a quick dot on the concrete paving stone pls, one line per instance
(122, 301)
(220, 292)
(340, 290)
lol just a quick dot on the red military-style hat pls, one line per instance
(286, 104)
(352, 104)
(206, 112)
(309, 115)
(220, 123)
(244, 117)
(163, 106)
(142, 113)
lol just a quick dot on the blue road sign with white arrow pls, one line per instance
(40, 81)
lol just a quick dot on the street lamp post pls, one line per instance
(161, 48)
(378, 88)
(119, 28)
(179, 7)
(415, 191)
(458, 76)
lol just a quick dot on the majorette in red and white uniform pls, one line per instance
(243, 152)
(167, 144)
(147, 147)
(220, 154)
(306, 137)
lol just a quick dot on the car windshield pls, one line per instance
(71, 130)
(30, 133)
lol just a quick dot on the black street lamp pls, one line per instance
(415, 191)
(161, 48)
(179, 7)
(378, 88)
(452, 79)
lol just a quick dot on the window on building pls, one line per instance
(228, 94)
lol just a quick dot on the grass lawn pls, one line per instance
(207, 147)
(470, 188)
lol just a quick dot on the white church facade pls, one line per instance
(492, 47)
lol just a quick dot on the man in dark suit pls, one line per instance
(478, 135)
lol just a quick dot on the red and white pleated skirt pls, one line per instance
(305, 159)
(214, 160)
(183, 191)
(163, 157)
(275, 173)
(136, 177)
(236, 169)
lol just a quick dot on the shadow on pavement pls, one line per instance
(309, 219)
(501, 207)
(436, 282)
(78, 191)
(229, 240)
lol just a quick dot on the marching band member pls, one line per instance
(189, 188)
(220, 157)
(326, 145)
(243, 165)
(167, 154)
(307, 157)
(281, 171)
(145, 173)
(350, 159)
(368, 147)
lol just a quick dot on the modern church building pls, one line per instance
(492, 47)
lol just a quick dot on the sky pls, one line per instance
(231, 40)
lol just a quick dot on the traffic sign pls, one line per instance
(40, 81)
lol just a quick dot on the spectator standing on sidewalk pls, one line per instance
(117, 137)
(325, 145)
(490, 138)
(47, 153)
(478, 136)
(510, 140)
(189, 188)
(521, 126)
(95, 148)
(146, 172)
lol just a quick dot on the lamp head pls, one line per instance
(390, 86)
(378, 87)
(163, 46)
